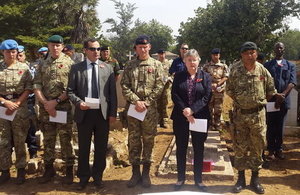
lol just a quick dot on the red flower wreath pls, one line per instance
(60, 66)
(150, 70)
(198, 80)
(20, 72)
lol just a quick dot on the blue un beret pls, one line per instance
(142, 40)
(9, 44)
(42, 49)
(21, 48)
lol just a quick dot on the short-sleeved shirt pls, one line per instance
(250, 89)
(283, 74)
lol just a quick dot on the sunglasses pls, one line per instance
(94, 49)
(184, 48)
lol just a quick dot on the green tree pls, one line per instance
(31, 21)
(291, 40)
(160, 35)
(228, 23)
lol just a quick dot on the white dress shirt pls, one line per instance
(89, 68)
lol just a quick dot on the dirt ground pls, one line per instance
(281, 177)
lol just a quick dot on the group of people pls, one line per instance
(197, 93)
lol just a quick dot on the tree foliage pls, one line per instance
(126, 30)
(228, 23)
(291, 40)
(31, 21)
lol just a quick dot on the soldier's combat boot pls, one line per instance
(48, 174)
(146, 182)
(68, 179)
(5, 176)
(241, 182)
(20, 176)
(136, 176)
(255, 184)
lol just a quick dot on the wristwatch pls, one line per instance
(2, 103)
(58, 100)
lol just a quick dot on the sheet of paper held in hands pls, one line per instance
(93, 103)
(5, 116)
(271, 107)
(200, 125)
(61, 117)
(135, 114)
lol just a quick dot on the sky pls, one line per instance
(167, 12)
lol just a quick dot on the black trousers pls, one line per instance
(182, 132)
(93, 123)
(275, 126)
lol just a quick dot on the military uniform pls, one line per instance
(162, 102)
(249, 91)
(114, 63)
(14, 80)
(52, 78)
(142, 81)
(218, 71)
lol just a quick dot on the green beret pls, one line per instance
(248, 46)
(55, 39)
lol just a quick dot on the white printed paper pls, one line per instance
(61, 117)
(135, 114)
(271, 107)
(93, 103)
(200, 125)
(5, 116)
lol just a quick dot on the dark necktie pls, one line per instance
(94, 82)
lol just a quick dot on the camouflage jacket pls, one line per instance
(142, 80)
(217, 71)
(114, 63)
(52, 76)
(14, 79)
(249, 89)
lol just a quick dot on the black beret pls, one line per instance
(55, 39)
(68, 48)
(142, 40)
(216, 51)
(248, 46)
(104, 48)
(161, 51)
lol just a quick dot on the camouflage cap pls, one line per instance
(9, 44)
(104, 48)
(55, 39)
(161, 51)
(215, 51)
(248, 46)
(142, 40)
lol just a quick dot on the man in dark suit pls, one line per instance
(95, 79)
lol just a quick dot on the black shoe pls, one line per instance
(178, 185)
(241, 182)
(255, 184)
(81, 186)
(98, 184)
(201, 187)
(279, 154)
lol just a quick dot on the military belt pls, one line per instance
(10, 96)
(251, 110)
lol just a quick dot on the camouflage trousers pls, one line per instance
(64, 131)
(13, 133)
(249, 139)
(141, 136)
(162, 104)
(215, 108)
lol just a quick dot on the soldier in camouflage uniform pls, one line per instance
(219, 74)
(15, 85)
(162, 102)
(49, 86)
(249, 85)
(105, 57)
(142, 84)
